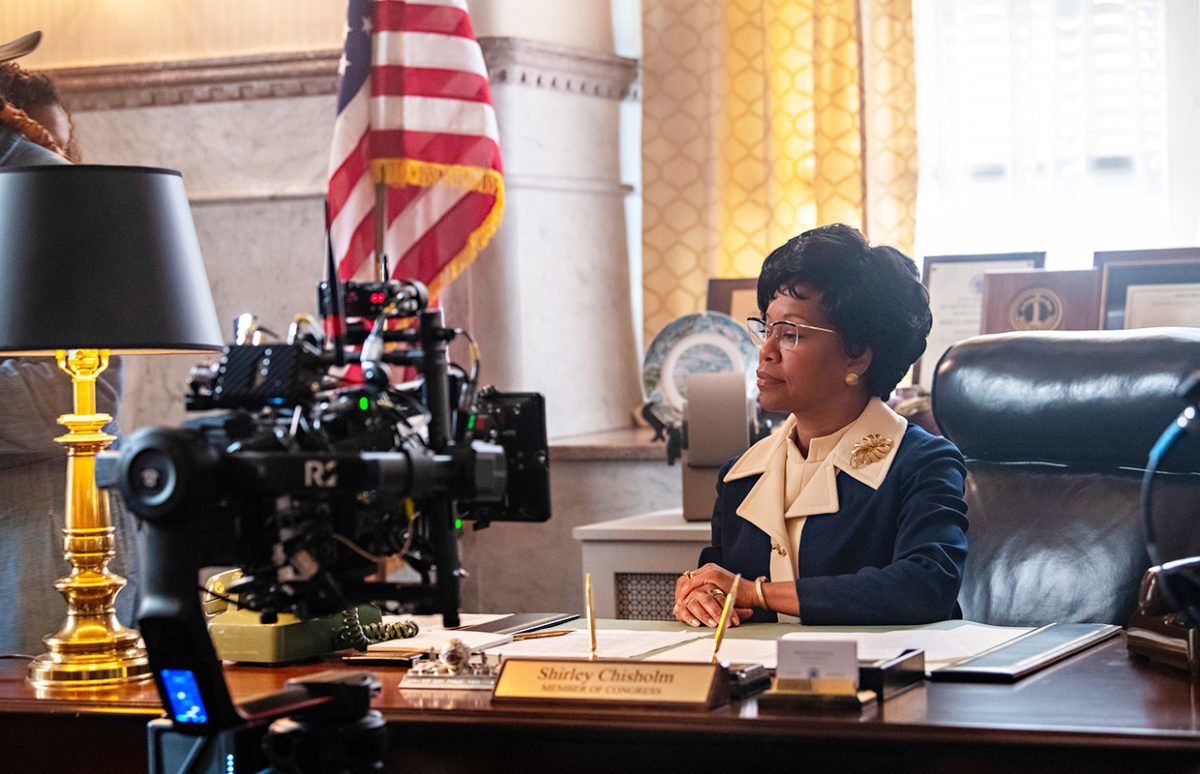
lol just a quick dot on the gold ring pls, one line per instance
(689, 573)
(717, 592)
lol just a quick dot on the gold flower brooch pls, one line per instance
(869, 450)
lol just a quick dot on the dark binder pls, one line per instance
(1012, 660)
(519, 623)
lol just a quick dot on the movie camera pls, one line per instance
(317, 464)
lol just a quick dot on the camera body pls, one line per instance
(304, 478)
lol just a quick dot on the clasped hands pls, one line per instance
(700, 596)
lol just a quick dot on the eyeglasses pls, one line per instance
(787, 333)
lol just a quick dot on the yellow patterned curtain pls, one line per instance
(763, 118)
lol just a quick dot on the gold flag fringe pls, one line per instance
(427, 175)
(476, 241)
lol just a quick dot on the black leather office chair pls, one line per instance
(1057, 427)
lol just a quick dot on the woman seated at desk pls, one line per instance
(847, 514)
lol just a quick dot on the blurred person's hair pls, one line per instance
(29, 91)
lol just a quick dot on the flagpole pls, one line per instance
(381, 198)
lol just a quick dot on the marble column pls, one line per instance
(549, 298)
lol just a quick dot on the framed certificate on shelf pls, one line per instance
(1140, 294)
(1155, 255)
(955, 285)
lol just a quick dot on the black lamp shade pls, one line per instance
(101, 257)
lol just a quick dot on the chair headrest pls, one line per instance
(1092, 398)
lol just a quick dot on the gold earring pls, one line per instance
(852, 379)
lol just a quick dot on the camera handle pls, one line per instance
(435, 368)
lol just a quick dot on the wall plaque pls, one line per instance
(955, 284)
(1036, 300)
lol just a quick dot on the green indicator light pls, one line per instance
(458, 523)
(471, 423)
(363, 403)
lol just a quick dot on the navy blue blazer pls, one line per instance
(889, 556)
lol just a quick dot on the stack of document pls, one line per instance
(941, 646)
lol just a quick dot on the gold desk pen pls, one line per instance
(591, 619)
(539, 635)
(730, 600)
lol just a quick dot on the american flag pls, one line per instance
(414, 111)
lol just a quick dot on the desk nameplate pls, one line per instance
(677, 684)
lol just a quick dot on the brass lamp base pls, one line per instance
(91, 669)
(92, 649)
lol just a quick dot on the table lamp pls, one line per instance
(96, 261)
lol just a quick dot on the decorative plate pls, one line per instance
(709, 342)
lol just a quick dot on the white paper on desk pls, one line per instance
(878, 646)
(941, 646)
(978, 637)
(610, 643)
(434, 639)
(732, 651)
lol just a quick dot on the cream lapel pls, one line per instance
(764, 503)
(869, 446)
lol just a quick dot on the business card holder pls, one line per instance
(877, 681)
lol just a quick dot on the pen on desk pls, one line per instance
(591, 619)
(730, 599)
(539, 635)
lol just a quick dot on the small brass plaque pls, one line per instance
(815, 685)
(612, 681)
(1036, 309)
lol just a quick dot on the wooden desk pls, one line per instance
(1097, 712)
